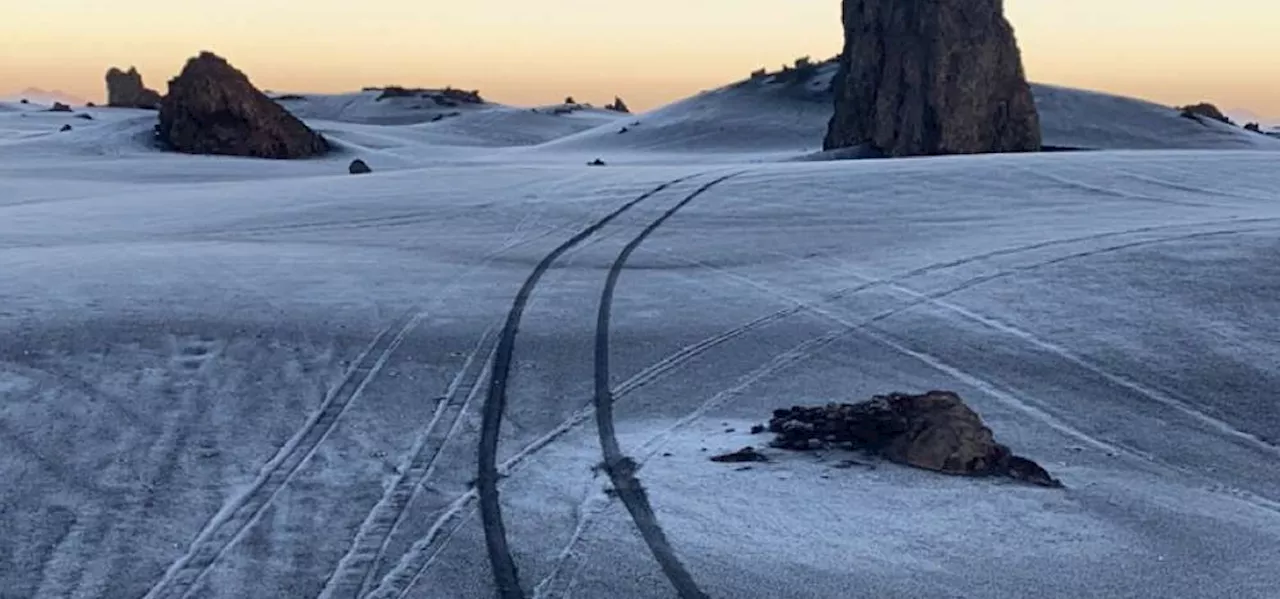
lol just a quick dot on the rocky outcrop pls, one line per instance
(59, 107)
(125, 90)
(1206, 110)
(618, 106)
(934, 431)
(928, 77)
(212, 108)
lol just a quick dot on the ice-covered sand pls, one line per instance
(237, 378)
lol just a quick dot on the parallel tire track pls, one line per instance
(355, 569)
(230, 523)
(621, 469)
(505, 575)
(414, 563)
(807, 348)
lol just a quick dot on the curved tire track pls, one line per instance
(620, 468)
(505, 574)
(808, 348)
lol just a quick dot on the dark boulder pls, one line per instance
(929, 77)
(212, 108)
(65, 128)
(359, 167)
(60, 107)
(596, 162)
(934, 431)
(125, 90)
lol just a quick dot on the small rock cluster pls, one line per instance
(618, 106)
(934, 431)
(443, 97)
(1206, 110)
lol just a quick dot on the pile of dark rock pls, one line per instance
(934, 431)
(1206, 110)
(443, 97)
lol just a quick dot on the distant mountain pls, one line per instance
(40, 96)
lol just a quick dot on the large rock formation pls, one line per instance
(125, 90)
(212, 108)
(925, 77)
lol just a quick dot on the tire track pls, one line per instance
(620, 468)
(808, 348)
(355, 570)
(1106, 191)
(505, 574)
(230, 523)
(414, 563)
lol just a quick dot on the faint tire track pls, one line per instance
(234, 518)
(620, 468)
(353, 574)
(505, 574)
(230, 523)
(1221, 426)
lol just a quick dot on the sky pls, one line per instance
(535, 52)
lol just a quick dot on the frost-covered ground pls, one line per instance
(235, 378)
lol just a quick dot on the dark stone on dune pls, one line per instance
(90, 105)
(212, 108)
(569, 100)
(757, 429)
(931, 77)
(60, 107)
(935, 431)
(358, 167)
(596, 162)
(65, 128)
(746, 454)
(24, 101)
(87, 117)
(125, 90)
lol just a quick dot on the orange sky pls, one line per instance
(522, 52)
